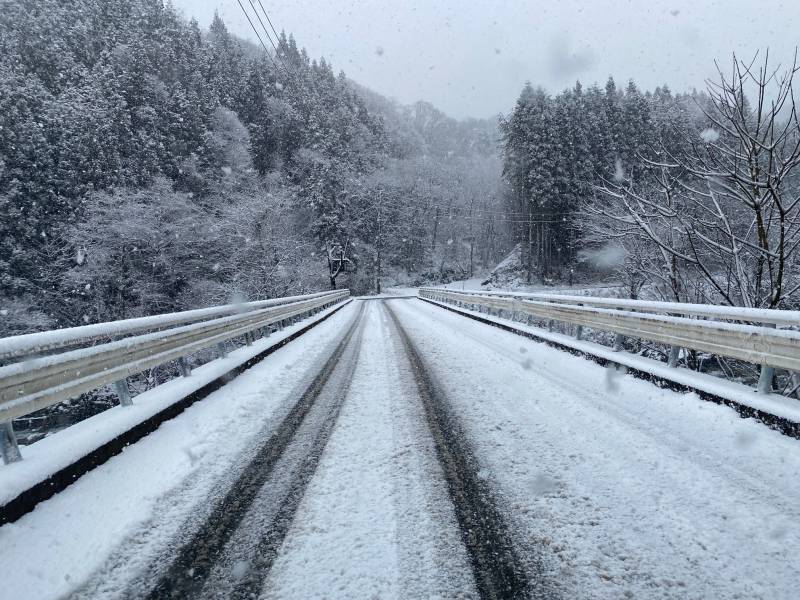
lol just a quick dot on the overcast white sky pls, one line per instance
(472, 57)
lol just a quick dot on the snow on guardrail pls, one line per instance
(41, 381)
(44, 341)
(686, 309)
(750, 335)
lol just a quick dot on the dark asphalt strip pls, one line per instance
(497, 570)
(189, 571)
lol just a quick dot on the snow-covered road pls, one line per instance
(626, 489)
(607, 486)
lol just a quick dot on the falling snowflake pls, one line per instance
(619, 172)
(709, 135)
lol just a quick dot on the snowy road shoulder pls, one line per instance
(49, 455)
(771, 405)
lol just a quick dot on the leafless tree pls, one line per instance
(726, 208)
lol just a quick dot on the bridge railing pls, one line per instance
(58, 365)
(768, 338)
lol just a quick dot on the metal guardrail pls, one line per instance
(789, 318)
(36, 382)
(750, 335)
(45, 341)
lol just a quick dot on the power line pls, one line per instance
(258, 16)
(249, 20)
(277, 37)
(290, 73)
(399, 204)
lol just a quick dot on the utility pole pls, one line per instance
(530, 243)
(435, 228)
(471, 240)
(379, 243)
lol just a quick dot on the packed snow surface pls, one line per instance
(617, 488)
(629, 490)
(376, 521)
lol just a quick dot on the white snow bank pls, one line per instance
(774, 404)
(54, 452)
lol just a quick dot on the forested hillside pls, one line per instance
(149, 165)
(691, 197)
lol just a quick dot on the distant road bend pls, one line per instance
(400, 450)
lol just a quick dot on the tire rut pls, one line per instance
(497, 568)
(201, 564)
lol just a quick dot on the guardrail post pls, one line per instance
(794, 377)
(183, 367)
(619, 342)
(222, 352)
(248, 338)
(267, 331)
(551, 324)
(579, 329)
(674, 355)
(123, 392)
(8, 444)
(767, 373)
(765, 379)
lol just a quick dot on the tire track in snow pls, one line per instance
(496, 566)
(629, 511)
(660, 432)
(376, 521)
(195, 571)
